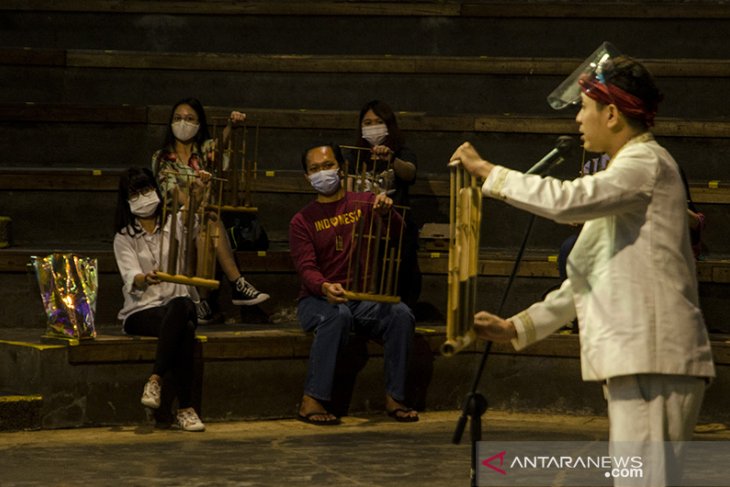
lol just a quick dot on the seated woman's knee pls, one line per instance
(183, 309)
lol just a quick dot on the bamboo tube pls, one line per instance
(369, 243)
(190, 236)
(400, 247)
(236, 165)
(188, 281)
(465, 222)
(355, 251)
(173, 249)
(385, 271)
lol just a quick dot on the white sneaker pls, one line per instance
(151, 394)
(188, 420)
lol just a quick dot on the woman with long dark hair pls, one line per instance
(187, 155)
(151, 307)
(392, 168)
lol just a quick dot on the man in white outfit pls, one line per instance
(631, 275)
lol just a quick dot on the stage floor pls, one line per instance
(363, 451)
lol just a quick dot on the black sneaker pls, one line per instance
(205, 315)
(244, 294)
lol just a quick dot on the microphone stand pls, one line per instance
(475, 404)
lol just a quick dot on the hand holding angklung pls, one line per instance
(141, 281)
(492, 327)
(334, 292)
(467, 156)
(237, 117)
(382, 152)
(382, 203)
(205, 176)
(151, 278)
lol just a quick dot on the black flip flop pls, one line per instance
(307, 418)
(402, 419)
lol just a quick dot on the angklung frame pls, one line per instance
(188, 263)
(234, 165)
(373, 270)
(368, 174)
(374, 262)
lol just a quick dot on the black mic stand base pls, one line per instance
(475, 405)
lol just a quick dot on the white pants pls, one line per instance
(645, 411)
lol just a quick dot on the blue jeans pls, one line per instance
(393, 324)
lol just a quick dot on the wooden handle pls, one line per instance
(188, 281)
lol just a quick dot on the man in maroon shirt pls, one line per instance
(320, 241)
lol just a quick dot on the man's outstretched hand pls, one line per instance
(467, 156)
(492, 327)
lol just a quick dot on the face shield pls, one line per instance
(568, 93)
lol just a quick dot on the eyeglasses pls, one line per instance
(322, 166)
(144, 192)
(187, 118)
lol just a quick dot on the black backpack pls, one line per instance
(246, 233)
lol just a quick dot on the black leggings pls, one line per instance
(174, 326)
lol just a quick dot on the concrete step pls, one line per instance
(20, 412)
(250, 372)
(278, 194)
(100, 136)
(428, 27)
(486, 84)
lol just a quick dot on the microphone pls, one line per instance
(563, 145)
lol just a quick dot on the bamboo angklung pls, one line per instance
(374, 276)
(241, 170)
(375, 251)
(465, 218)
(172, 271)
(364, 179)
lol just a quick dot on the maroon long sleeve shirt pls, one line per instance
(321, 239)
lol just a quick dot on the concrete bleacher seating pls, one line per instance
(87, 86)
(713, 270)
(246, 373)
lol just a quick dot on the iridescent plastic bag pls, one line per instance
(68, 285)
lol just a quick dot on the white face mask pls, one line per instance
(325, 182)
(184, 130)
(375, 134)
(145, 205)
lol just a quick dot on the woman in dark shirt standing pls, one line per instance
(393, 169)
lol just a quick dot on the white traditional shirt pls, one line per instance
(631, 280)
(140, 254)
